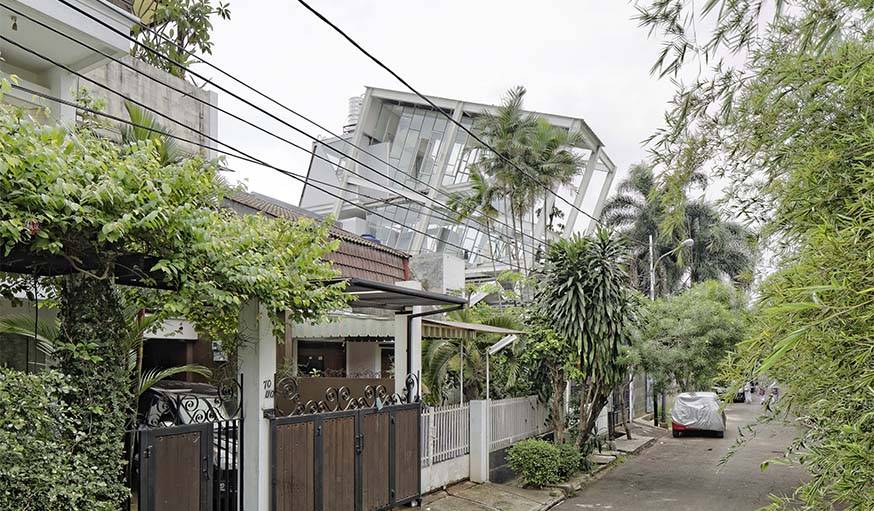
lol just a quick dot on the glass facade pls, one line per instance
(414, 136)
(417, 140)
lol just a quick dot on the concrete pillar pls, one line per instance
(63, 85)
(401, 342)
(479, 440)
(257, 359)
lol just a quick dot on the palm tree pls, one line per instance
(722, 249)
(144, 127)
(530, 143)
(636, 211)
(442, 357)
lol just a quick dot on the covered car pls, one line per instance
(697, 411)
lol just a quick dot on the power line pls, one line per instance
(282, 121)
(440, 214)
(442, 112)
(245, 156)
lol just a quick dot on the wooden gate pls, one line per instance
(363, 459)
(176, 468)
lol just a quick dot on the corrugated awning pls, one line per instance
(474, 327)
(362, 327)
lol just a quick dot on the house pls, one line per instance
(409, 147)
(39, 75)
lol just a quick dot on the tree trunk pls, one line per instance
(557, 406)
(592, 401)
(93, 355)
(623, 402)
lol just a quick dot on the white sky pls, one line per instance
(585, 58)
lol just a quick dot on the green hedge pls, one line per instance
(39, 465)
(536, 461)
(540, 462)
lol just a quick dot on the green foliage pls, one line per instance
(442, 362)
(790, 127)
(83, 197)
(541, 150)
(537, 461)
(550, 361)
(41, 465)
(570, 460)
(583, 296)
(722, 249)
(144, 127)
(684, 337)
(186, 23)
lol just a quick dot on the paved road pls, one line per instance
(683, 473)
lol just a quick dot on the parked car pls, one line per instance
(721, 391)
(697, 412)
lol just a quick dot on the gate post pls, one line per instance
(408, 338)
(479, 440)
(257, 359)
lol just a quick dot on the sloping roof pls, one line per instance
(356, 257)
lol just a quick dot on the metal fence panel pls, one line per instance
(515, 419)
(445, 433)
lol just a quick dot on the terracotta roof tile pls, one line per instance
(356, 256)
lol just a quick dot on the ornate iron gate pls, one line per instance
(346, 453)
(188, 449)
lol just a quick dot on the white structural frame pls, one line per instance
(598, 161)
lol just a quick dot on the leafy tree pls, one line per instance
(178, 28)
(551, 362)
(90, 201)
(684, 337)
(583, 294)
(790, 127)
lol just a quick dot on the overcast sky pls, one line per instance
(584, 58)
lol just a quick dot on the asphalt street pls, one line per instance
(684, 473)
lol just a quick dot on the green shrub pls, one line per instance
(537, 461)
(570, 460)
(38, 463)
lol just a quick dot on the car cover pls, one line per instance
(698, 410)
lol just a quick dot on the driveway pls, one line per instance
(681, 474)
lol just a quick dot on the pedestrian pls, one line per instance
(748, 395)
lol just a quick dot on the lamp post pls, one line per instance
(688, 242)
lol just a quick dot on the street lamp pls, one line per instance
(494, 348)
(688, 242)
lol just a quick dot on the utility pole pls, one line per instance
(688, 242)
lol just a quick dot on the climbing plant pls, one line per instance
(72, 194)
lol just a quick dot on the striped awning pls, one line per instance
(364, 327)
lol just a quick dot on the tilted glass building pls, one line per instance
(405, 149)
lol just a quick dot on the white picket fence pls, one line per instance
(515, 419)
(445, 433)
